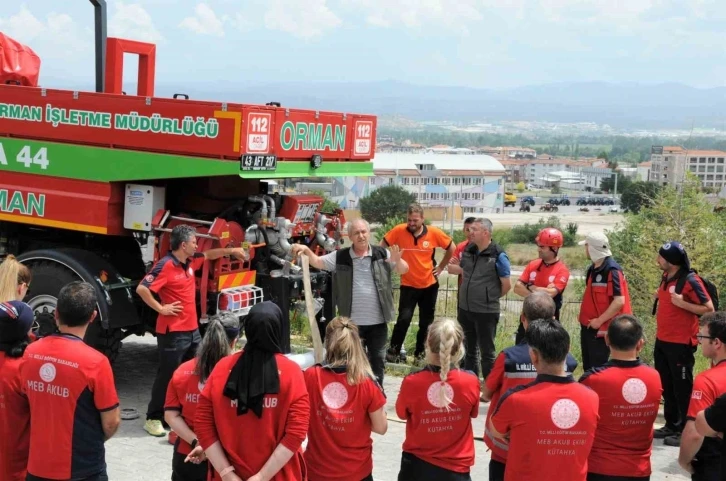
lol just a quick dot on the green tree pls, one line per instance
(386, 203)
(329, 205)
(638, 195)
(685, 216)
(608, 184)
(520, 187)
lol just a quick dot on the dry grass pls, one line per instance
(522, 254)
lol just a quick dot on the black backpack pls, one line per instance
(710, 287)
(681, 282)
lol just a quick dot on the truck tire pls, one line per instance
(106, 341)
(48, 279)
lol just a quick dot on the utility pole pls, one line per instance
(451, 225)
(616, 185)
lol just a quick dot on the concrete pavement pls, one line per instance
(133, 455)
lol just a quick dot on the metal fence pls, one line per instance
(511, 307)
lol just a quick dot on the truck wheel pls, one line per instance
(48, 279)
(106, 341)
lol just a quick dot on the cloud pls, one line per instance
(420, 13)
(131, 21)
(55, 37)
(205, 21)
(306, 20)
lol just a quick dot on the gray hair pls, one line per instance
(538, 305)
(179, 234)
(352, 223)
(485, 223)
(223, 328)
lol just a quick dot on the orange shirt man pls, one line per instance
(420, 285)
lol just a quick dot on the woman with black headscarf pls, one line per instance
(254, 411)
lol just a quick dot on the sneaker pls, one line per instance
(664, 432)
(154, 427)
(674, 440)
(419, 359)
(393, 355)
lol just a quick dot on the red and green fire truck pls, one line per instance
(91, 184)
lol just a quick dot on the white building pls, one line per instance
(577, 178)
(644, 171)
(474, 182)
(669, 165)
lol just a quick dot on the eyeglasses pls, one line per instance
(700, 336)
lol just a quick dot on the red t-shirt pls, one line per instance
(512, 367)
(674, 324)
(551, 425)
(603, 284)
(339, 437)
(14, 421)
(174, 281)
(459, 250)
(247, 440)
(539, 274)
(434, 434)
(707, 387)
(629, 393)
(70, 383)
(183, 395)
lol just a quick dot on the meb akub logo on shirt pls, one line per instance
(47, 372)
(433, 393)
(634, 391)
(565, 413)
(335, 395)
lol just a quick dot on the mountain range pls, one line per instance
(620, 105)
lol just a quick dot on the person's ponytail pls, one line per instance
(445, 339)
(344, 348)
(222, 330)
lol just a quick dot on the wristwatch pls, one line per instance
(194, 443)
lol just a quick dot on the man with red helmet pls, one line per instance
(547, 273)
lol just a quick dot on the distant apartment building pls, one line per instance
(473, 182)
(644, 171)
(670, 164)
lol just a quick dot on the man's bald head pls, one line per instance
(538, 305)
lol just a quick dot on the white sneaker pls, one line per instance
(155, 428)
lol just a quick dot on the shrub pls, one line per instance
(526, 234)
(684, 216)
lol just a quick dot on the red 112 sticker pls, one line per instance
(363, 137)
(258, 132)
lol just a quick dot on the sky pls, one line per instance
(476, 43)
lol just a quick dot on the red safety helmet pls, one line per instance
(550, 237)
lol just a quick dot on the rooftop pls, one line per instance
(443, 162)
(705, 153)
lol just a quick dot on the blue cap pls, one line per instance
(16, 319)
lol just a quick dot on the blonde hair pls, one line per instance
(344, 348)
(445, 339)
(12, 275)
